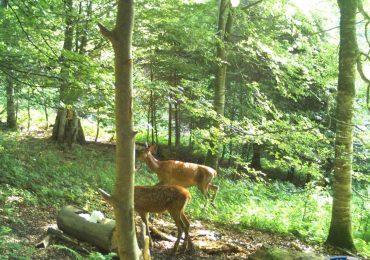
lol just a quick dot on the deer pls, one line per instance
(158, 199)
(180, 173)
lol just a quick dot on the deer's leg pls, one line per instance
(176, 216)
(187, 240)
(215, 190)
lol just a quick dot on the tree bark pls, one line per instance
(97, 124)
(177, 127)
(340, 232)
(10, 105)
(224, 29)
(67, 130)
(170, 123)
(256, 159)
(123, 195)
(152, 115)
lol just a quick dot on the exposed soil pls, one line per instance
(211, 241)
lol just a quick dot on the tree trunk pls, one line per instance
(46, 115)
(148, 124)
(152, 115)
(28, 110)
(230, 153)
(177, 127)
(340, 232)
(170, 124)
(224, 29)
(256, 159)
(67, 125)
(67, 128)
(10, 105)
(83, 41)
(97, 124)
(123, 196)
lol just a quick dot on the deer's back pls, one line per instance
(160, 198)
(183, 173)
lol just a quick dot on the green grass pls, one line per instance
(43, 173)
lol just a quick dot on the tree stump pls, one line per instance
(100, 235)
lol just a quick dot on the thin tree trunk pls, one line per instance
(230, 152)
(46, 115)
(155, 123)
(177, 127)
(97, 124)
(148, 123)
(11, 119)
(83, 41)
(152, 115)
(28, 110)
(170, 124)
(256, 159)
(123, 195)
(340, 232)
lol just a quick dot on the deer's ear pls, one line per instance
(153, 148)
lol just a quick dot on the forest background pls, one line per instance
(275, 137)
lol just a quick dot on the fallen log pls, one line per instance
(100, 234)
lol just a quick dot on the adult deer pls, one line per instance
(180, 173)
(157, 199)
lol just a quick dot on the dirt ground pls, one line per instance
(211, 241)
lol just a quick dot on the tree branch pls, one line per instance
(250, 5)
(106, 33)
(362, 11)
(27, 35)
(107, 197)
(363, 76)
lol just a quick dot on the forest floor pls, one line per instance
(211, 241)
(37, 178)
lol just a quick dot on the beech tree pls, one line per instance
(223, 31)
(123, 195)
(340, 232)
(67, 127)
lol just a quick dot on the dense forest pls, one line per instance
(247, 121)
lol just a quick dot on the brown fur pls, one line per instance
(157, 199)
(180, 173)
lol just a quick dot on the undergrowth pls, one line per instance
(42, 173)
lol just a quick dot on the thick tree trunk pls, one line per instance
(67, 128)
(224, 29)
(10, 105)
(340, 232)
(123, 195)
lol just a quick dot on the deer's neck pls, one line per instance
(152, 162)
